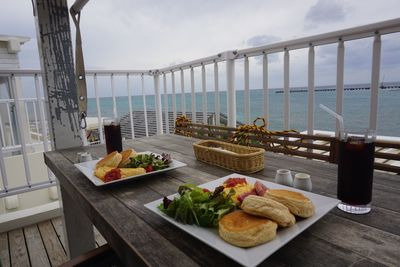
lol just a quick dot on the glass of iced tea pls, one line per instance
(112, 132)
(355, 172)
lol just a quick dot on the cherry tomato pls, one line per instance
(112, 175)
(149, 168)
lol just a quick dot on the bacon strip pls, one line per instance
(260, 188)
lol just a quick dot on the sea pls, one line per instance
(356, 107)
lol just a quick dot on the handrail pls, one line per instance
(369, 30)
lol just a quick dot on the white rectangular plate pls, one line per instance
(88, 167)
(251, 256)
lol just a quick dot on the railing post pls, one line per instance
(204, 93)
(376, 64)
(265, 89)
(21, 131)
(339, 82)
(286, 90)
(230, 90)
(166, 115)
(173, 95)
(115, 112)
(99, 119)
(311, 89)
(3, 167)
(144, 105)
(216, 88)
(42, 115)
(183, 96)
(128, 89)
(194, 117)
(158, 103)
(246, 99)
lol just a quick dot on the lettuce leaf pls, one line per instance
(198, 206)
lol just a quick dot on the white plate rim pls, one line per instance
(250, 256)
(87, 169)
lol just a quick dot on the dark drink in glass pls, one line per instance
(112, 132)
(355, 173)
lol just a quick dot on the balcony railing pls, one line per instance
(34, 111)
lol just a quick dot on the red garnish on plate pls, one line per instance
(114, 174)
(258, 190)
(232, 182)
(205, 190)
(149, 168)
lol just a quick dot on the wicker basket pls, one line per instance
(230, 156)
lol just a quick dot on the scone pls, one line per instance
(297, 203)
(244, 230)
(268, 208)
(111, 160)
(126, 157)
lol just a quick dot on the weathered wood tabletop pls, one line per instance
(140, 237)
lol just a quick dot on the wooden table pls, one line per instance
(140, 237)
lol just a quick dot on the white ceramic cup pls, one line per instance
(83, 156)
(302, 181)
(284, 177)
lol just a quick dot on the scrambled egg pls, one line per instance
(239, 189)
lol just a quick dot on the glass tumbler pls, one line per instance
(112, 132)
(355, 172)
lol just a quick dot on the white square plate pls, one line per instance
(255, 255)
(88, 167)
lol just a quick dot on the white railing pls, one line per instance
(24, 131)
(230, 59)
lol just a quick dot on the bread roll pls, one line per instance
(268, 208)
(126, 157)
(297, 203)
(111, 160)
(244, 230)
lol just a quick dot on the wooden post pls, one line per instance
(57, 64)
(55, 49)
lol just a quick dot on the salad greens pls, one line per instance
(199, 206)
(150, 162)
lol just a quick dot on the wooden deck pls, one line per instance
(39, 245)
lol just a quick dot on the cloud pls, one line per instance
(259, 40)
(146, 34)
(325, 12)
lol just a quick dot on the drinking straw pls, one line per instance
(338, 117)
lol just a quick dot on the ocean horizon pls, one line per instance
(356, 106)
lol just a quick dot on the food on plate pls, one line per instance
(108, 174)
(197, 205)
(100, 172)
(244, 230)
(243, 189)
(268, 208)
(128, 163)
(246, 215)
(126, 157)
(297, 203)
(128, 172)
(111, 160)
(150, 162)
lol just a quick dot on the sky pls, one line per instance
(127, 34)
